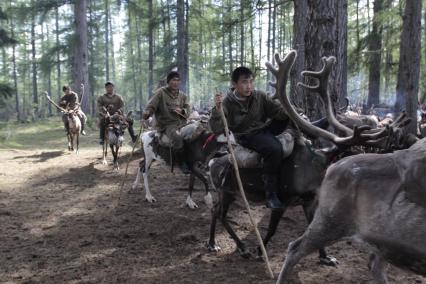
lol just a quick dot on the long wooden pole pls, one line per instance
(240, 186)
(128, 161)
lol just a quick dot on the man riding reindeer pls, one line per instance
(254, 118)
(113, 103)
(70, 101)
(171, 109)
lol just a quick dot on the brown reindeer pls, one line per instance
(72, 123)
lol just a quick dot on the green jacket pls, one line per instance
(162, 105)
(71, 100)
(249, 116)
(105, 100)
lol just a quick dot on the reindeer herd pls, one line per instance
(369, 185)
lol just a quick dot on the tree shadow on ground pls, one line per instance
(42, 157)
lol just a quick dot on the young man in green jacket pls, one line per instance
(254, 118)
(114, 102)
(171, 109)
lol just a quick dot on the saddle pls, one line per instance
(249, 159)
(189, 133)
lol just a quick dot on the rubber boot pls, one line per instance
(271, 188)
(132, 133)
(82, 127)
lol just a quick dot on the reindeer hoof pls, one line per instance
(329, 261)
(104, 162)
(150, 199)
(134, 186)
(190, 203)
(259, 254)
(213, 248)
(244, 252)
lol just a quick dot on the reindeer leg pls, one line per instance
(309, 210)
(377, 266)
(320, 233)
(141, 168)
(189, 202)
(77, 142)
(227, 200)
(211, 245)
(69, 141)
(208, 199)
(274, 220)
(114, 155)
(104, 152)
(145, 173)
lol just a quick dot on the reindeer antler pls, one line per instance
(53, 103)
(322, 89)
(281, 74)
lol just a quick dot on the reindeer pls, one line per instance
(200, 145)
(302, 172)
(116, 124)
(376, 199)
(72, 122)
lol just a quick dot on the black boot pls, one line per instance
(132, 133)
(271, 188)
(82, 128)
(181, 161)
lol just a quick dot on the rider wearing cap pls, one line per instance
(114, 103)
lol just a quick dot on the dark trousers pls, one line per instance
(265, 143)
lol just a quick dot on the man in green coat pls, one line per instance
(171, 109)
(255, 119)
(113, 102)
(70, 100)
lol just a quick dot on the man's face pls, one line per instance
(67, 91)
(244, 86)
(109, 89)
(174, 84)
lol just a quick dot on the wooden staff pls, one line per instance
(240, 186)
(128, 162)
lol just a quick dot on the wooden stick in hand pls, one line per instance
(240, 186)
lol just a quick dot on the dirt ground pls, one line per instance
(64, 219)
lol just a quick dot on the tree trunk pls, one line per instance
(186, 51)
(242, 22)
(375, 49)
(268, 44)
(132, 61)
(106, 40)
(180, 19)
(139, 59)
(409, 63)
(58, 56)
(80, 72)
(15, 76)
(92, 36)
(111, 33)
(327, 36)
(151, 49)
(300, 21)
(34, 68)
